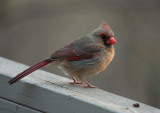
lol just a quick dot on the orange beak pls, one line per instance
(111, 41)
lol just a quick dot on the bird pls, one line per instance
(84, 57)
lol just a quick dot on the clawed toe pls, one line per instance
(90, 86)
(76, 82)
(72, 83)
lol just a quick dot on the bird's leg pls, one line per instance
(89, 85)
(75, 81)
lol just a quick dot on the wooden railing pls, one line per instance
(43, 92)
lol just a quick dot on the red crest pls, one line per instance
(105, 26)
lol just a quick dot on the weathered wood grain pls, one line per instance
(46, 92)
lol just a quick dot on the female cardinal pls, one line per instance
(84, 57)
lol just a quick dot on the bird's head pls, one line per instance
(105, 34)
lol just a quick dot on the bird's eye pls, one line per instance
(103, 37)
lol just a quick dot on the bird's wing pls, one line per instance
(80, 49)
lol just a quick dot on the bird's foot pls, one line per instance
(88, 85)
(76, 82)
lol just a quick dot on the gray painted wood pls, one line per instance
(11, 107)
(51, 93)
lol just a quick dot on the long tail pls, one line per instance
(29, 70)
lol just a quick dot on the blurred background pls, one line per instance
(31, 30)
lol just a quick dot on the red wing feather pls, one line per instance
(66, 53)
(70, 54)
